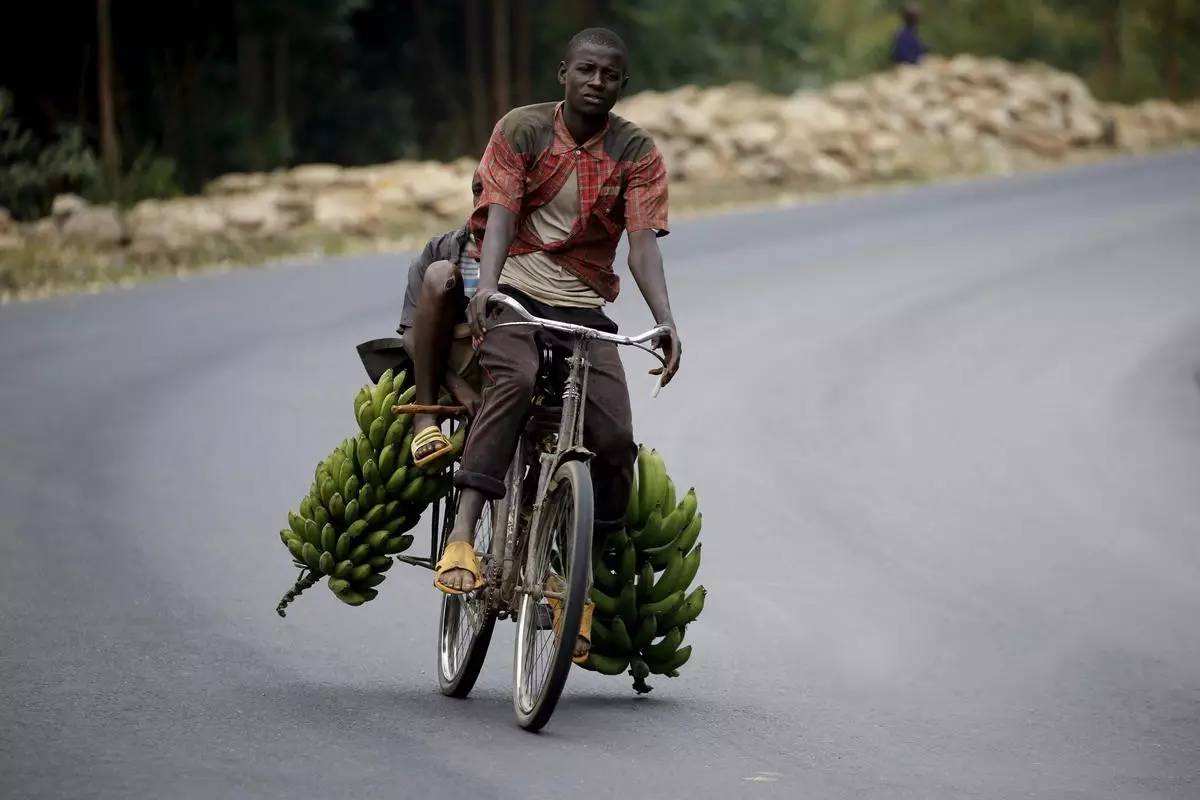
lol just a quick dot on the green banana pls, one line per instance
(645, 584)
(380, 563)
(306, 508)
(387, 461)
(602, 576)
(628, 566)
(344, 473)
(366, 498)
(329, 538)
(605, 605)
(350, 513)
(627, 604)
(312, 533)
(687, 611)
(607, 665)
(414, 489)
(351, 597)
(396, 482)
(296, 522)
(671, 664)
(376, 433)
(688, 537)
(357, 528)
(395, 431)
(374, 518)
(646, 631)
(312, 556)
(665, 606)
(296, 547)
(337, 506)
(320, 516)
(360, 573)
(666, 648)
(669, 581)
(360, 553)
(363, 451)
(364, 416)
(377, 541)
(342, 569)
(338, 585)
(620, 637)
(326, 563)
(398, 544)
(374, 579)
(350, 488)
(669, 498)
(631, 508)
(379, 391)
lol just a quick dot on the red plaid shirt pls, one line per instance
(622, 186)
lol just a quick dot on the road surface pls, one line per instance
(947, 445)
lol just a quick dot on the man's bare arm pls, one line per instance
(646, 264)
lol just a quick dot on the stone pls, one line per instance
(64, 205)
(312, 176)
(236, 183)
(171, 225)
(697, 163)
(254, 213)
(346, 211)
(93, 226)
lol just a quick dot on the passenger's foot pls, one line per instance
(429, 444)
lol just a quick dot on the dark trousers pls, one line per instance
(509, 358)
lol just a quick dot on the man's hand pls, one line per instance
(672, 348)
(477, 311)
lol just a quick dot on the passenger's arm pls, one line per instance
(646, 264)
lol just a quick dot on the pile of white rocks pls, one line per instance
(957, 115)
(952, 116)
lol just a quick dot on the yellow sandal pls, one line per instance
(431, 435)
(458, 555)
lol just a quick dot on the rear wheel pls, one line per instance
(466, 623)
(557, 561)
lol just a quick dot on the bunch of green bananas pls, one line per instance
(365, 495)
(641, 577)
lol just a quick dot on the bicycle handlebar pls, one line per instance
(652, 335)
(566, 327)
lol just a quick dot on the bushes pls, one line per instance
(31, 174)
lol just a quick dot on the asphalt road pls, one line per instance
(947, 444)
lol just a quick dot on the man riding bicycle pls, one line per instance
(559, 183)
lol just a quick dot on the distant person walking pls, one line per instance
(908, 47)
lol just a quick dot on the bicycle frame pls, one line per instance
(502, 591)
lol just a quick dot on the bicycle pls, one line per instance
(537, 549)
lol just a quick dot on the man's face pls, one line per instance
(593, 76)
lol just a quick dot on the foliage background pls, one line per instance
(204, 87)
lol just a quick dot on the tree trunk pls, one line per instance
(110, 147)
(280, 80)
(1110, 51)
(501, 69)
(474, 35)
(523, 42)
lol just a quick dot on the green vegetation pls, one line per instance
(195, 89)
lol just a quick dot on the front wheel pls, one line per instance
(557, 562)
(465, 625)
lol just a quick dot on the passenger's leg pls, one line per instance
(433, 327)
(509, 360)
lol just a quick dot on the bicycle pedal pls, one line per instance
(544, 621)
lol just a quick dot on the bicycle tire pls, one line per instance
(565, 525)
(461, 653)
